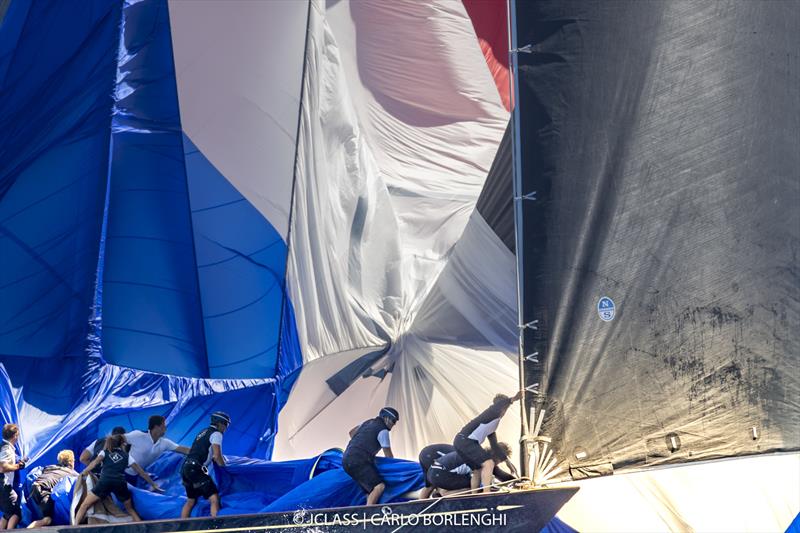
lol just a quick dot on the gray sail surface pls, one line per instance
(660, 253)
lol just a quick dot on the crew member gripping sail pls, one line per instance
(207, 446)
(469, 440)
(366, 441)
(42, 491)
(451, 472)
(116, 459)
(427, 456)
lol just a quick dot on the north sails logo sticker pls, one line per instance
(606, 309)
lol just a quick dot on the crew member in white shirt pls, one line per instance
(148, 445)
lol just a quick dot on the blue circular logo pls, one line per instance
(606, 309)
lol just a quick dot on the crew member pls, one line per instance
(469, 440)
(366, 441)
(91, 451)
(46, 482)
(115, 460)
(9, 503)
(426, 458)
(451, 472)
(148, 445)
(207, 446)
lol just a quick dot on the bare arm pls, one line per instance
(11, 467)
(512, 468)
(182, 449)
(501, 474)
(216, 454)
(387, 452)
(353, 431)
(89, 467)
(86, 457)
(139, 470)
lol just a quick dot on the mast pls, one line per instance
(516, 151)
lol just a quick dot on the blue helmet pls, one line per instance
(390, 412)
(220, 416)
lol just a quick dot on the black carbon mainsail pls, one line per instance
(660, 230)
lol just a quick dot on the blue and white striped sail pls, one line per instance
(132, 195)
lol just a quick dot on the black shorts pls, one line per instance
(442, 479)
(197, 482)
(9, 503)
(106, 487)
(429, 454)
(471, 451)
(361, 467)
(43, 501)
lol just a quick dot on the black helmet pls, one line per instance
(220, 416)
(390, 412)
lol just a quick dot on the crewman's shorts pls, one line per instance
(9, 503)
(361, 467)
(442, 479)
(470, 451)
(43, 501)
(429, 454)
(119, 488)
(197, 482)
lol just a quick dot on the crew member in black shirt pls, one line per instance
(112, 478)
(207, 446)
(91, 451)
(366, 441)
(46, 482)
(451, 472)
(426, 458)
(469, 440)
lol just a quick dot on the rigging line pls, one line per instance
(284, 287)
(463, 492)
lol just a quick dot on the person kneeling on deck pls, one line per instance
(427, 456)
(451, 472)
(46, 482)
(469, 440)
(207, 446)
(366, 441)
(115, 460)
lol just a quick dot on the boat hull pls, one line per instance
(516, 511)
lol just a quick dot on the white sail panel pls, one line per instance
(238, 66)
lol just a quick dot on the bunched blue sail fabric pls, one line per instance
(127, 285)
(257, 486)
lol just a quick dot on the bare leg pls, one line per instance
(3, 523)
(186, 512)
(44, 522)
(13, 521)
(426, 493)
(131, 511)
(475, 480)
(486, 474)
(91, 499)
(376, 494)
(214, 501)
